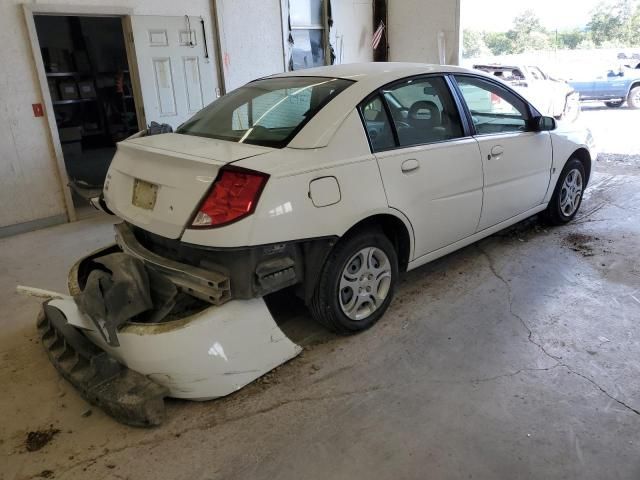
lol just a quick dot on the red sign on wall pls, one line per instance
(38, 110)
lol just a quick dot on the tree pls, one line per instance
(473, 44)
(615, 23)
(527, 33)
(569, 39)
(498, 43)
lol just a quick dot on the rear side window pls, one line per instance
(266, 112)
(493, 108)
(377, 123)
(423, 111)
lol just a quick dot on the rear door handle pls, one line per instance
(410, 165)
(496, 152)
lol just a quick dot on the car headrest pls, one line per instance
(424, 110)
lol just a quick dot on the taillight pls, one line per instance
(233, 196)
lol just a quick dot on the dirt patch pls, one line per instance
(581, 243)
(38, 439)
(523, 230)
(45, 474)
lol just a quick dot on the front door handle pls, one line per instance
(410, 165)
(496, 152)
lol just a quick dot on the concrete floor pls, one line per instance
(517, 357)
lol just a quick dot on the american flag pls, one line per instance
(377, 36)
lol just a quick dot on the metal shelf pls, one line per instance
(76, 100)
(62, 74)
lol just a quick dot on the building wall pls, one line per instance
(414, 26)
(30, 189)
(352, 30)
(250, 40)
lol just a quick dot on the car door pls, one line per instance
(431, 169)
(615, 85)
(516, 161)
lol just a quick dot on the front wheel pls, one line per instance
(614, 104)
(567, 196)
(634, 98)
(356, 284)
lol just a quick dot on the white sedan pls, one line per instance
(333, 181)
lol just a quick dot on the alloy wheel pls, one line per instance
(571, 192)
(364, 283)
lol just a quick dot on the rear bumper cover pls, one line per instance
(206, 355)
(126, 395)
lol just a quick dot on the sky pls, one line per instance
(497, 15)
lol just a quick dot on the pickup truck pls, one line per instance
(552, 97)
(613, 88)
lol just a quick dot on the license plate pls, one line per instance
(144, 194)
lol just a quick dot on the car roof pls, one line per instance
(386, 71)
(495, 66)
(367, 78)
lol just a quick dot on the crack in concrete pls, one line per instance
(514, 314)
(517, 372)
(558, 361)
(89, 462)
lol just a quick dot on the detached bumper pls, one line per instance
(126, 395)
(206, 355)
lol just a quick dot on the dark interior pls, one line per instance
(86, 64)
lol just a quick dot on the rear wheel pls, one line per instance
(356, 284)
(614, 104)
(567, 196)
(634, 98)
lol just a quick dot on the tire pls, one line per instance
(634, 98)
(567, 196)
(367, 254)
(614, 104)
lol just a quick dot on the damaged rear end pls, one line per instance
(127, 340)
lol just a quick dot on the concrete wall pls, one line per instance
(250, 40)
(30, 189)
(414, 26)
(352, 30)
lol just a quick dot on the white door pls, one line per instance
(177, 77)
(430, 171)
(515, 160)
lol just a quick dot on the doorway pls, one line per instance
(87, 70)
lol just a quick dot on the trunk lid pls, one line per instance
(157, 182)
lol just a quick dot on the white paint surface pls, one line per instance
(189, 358)
(250, 40)
(414, 26)
(176, 78)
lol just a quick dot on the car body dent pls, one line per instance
(206, 355)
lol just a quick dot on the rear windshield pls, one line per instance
(266, 112)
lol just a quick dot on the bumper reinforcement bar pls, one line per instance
(212, 287)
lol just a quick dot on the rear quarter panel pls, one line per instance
(285, 212)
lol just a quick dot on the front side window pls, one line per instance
(266, 112)
(308, 33)
(493, 109)
(423, 111)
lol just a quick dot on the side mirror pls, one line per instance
(544, 124)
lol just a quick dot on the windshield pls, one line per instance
(266, 112)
